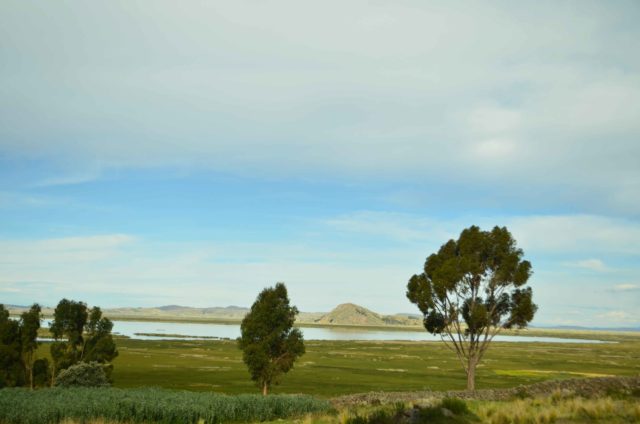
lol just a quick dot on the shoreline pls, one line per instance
(602, 335)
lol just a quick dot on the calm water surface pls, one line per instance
(232, 331)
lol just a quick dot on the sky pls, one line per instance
(195, 152)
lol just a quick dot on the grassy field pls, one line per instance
(332, 368)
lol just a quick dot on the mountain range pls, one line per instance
(344, 314)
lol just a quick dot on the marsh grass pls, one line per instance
(558, 408)
(22, 406)
(448, 410)
(333, 368)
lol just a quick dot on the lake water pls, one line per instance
(232, 331)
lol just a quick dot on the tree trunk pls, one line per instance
(265, 389)
(471, 373)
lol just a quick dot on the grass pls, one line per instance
(22, 406)
(332, 368)
(528, 411)
(562, 410)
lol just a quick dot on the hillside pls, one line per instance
(345, 314)
(185, 312)
(351, 314)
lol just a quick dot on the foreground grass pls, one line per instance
(557, 408)
(527, 411)
(333, 368)
(22, 406)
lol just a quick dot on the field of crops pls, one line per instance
(21, 406)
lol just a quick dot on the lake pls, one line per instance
(168, 330)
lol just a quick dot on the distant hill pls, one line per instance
(351, 314)
(177, 311)
(580, 328)
(344, 314)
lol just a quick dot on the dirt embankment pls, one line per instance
(585, 387)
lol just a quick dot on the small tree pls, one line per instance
(98, 342)
(82, 335)
(471, 289)
(11, 366)
(69, 319)
(29, 326)
(269, 342)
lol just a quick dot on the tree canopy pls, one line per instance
(471, 289)
(29, 326)
(82, 335)
(268, 340)
(11, 367)
(18, 345)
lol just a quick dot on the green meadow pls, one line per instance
(333, 368)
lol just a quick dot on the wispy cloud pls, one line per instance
(391, 226)
(626, 287)
(566, 234)
(20, 255)
(590, 264)
(577, 233)
(69, 179)
(620, 317)
(524, 106)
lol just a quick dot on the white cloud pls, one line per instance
(122, 270)
(620, 317)
(494, 149)
(590, 264)
(69, 251)
(626, 287)
(9, 289)
(504, 92)
(394, 226)
(494, 120)
(71, 179)
(576, 234)
(549, 234)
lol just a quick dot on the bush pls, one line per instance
(84, 374)
(457, 406)
(449, 410)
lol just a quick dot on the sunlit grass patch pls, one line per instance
(555, 374)
(555, 408)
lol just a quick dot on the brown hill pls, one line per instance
(345, 314)
(350, 314)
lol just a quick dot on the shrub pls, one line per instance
(84, 374)
(457, 406)
(521, 393)
(449, 410)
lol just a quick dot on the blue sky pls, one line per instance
(160, 153)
